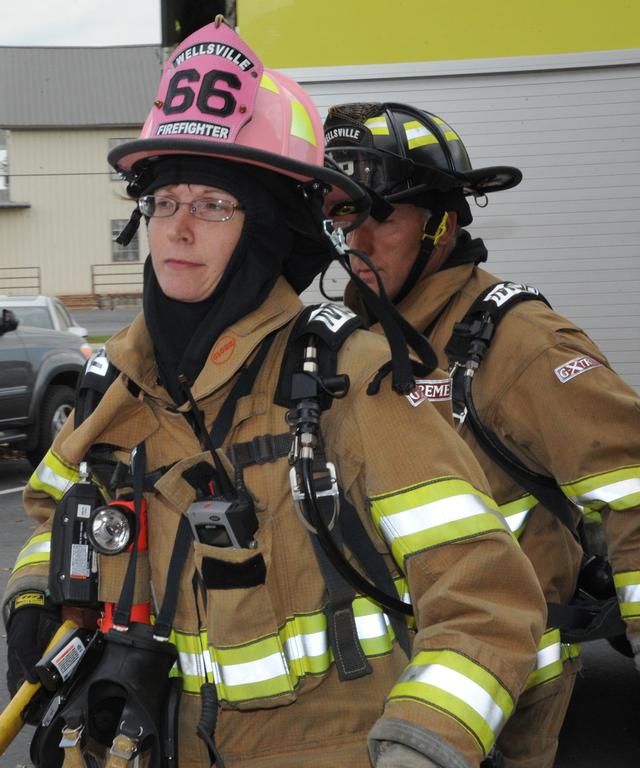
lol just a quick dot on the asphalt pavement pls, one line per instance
(105, 322)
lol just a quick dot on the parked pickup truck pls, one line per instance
(38, 373)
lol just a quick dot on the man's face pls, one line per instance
(392, 245)
(189, 255)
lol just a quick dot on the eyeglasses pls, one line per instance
(206, 208)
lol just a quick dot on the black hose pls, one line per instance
(346, 570)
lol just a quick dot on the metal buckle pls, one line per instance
(71, 737)
(124, 746)
(299, 496)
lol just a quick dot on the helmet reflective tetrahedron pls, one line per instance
(398, 151)
(216, 99)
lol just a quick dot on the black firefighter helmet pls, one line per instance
(409, 155)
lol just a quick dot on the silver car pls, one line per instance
(42, 312)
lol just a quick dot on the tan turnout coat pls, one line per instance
(479, 612)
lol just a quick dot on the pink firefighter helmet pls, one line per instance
(216, 99)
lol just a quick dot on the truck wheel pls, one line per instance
(57, 404)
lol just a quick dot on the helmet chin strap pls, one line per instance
(435, 227)
(399, 332)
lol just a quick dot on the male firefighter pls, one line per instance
(547, 417)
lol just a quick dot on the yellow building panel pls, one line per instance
(315, 33)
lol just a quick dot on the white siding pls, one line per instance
(572, 228)
(64, 176)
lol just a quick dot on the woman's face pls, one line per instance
(190, 255)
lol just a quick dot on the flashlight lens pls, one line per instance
(110, 530)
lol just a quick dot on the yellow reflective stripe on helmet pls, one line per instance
(418, 135)
(454, 684)
(516, 513)
(548, 659)
(269, 83)
(429, 515)
(36, 550)
(274, 665)
(378, 125)
(619, 490)
(53, 476)
(301, 124)
(627, 586)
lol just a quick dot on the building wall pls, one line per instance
(64, 177)
(308, 33)
(572, 227)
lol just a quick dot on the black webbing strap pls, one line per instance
(263, 449)
(424, 254)
(122, 613)
(122, 477)
(241, 388)
(372, 563)
(580, 623)
(351, 661)
(166, 615)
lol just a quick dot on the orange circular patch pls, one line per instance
(223, 350)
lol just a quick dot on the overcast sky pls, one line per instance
(79, 22)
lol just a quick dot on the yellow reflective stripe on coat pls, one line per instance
(274, 665)
(36, 550)
(516, 513)
(432, 514)
(54, 476)
(627, 586)
(548, 659)
(618, 490)
(456, 685)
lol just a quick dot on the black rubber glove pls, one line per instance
(29, 631)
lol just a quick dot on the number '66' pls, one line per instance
(181, 96)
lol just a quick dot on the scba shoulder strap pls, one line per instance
(97, 376)
(332, 324)
(466, 350)
(325, 328)
(590, 616)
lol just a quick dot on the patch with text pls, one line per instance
(434, 390)
(575, 367)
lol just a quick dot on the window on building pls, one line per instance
(113, 143)
(130, 252)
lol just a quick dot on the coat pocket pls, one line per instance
(248, 655)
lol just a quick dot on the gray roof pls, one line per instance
(77, 87)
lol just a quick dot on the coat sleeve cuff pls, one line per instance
(411, 735)
(31, 583)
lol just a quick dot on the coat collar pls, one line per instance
(131, 350)
(425, 301)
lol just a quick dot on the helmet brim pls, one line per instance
(127, 158)
(480, 181)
